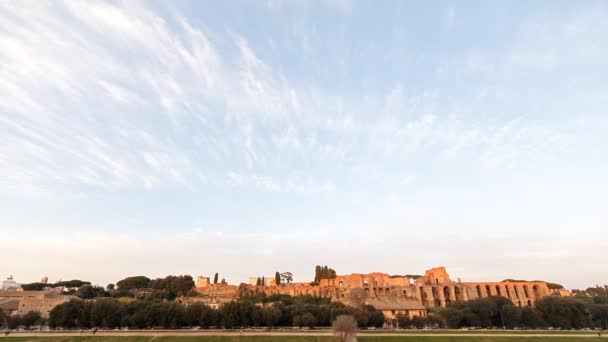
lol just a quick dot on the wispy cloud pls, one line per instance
(368, 125)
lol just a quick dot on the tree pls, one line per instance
(601, 299)
(287, 277)
(134, 283)
(563, 312)
(110, 287)
(71, 314)
(599, 314)
(263, 281)
(376, 318)
(31, 318)
(177, 285)
(452, 316)
(35, 286)
(258, 282)
(277, 278)
(271, 316)
(531, 318)
(215, 277)
(13, 322)
(324, 272)
(345, 327)
(308, 320)
(317, 274)
(75, 283)
(3, 318)
(106, 313)
(418, 322)
(90, 292)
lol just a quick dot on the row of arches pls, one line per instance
(520, 295)
(513, 292)
(442, 295)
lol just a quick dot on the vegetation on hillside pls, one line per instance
(324, 272)
(495, 311)
(283, 311)
(75, 283)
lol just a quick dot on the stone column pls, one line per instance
(452, 293)
(440, 295)
(484, 292)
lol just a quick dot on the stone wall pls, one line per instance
(434, 289)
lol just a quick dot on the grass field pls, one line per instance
(299, 338)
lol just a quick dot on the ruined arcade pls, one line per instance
(434, 289)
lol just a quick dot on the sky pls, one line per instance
(248, 137)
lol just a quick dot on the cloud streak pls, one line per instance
(132, 114)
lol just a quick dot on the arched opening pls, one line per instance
(367, 291)
(519, 303)
(488, 290)
(446, 294)
(435, 294)
(498, 293)
(516, 292)
(529, 303)
(526, 292)
(535, 291)
(380, 291)
(478, 288)
(507, 291)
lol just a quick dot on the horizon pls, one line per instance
(197, 137)
(304, 281)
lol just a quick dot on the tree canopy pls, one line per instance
(324, 272)
(133, 283)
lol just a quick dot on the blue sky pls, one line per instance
(246, 137)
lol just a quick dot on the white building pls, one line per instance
(10, 284)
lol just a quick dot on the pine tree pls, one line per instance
(215, 278)
(277, 279)
(258, 282)
(263, 282)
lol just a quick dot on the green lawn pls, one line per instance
(295, 339)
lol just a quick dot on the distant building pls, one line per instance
(268, 281)
(10, 284)
(22, 302)
(9, 305)
(392, 307)
(202, 281)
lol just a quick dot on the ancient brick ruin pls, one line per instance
(433, 289)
